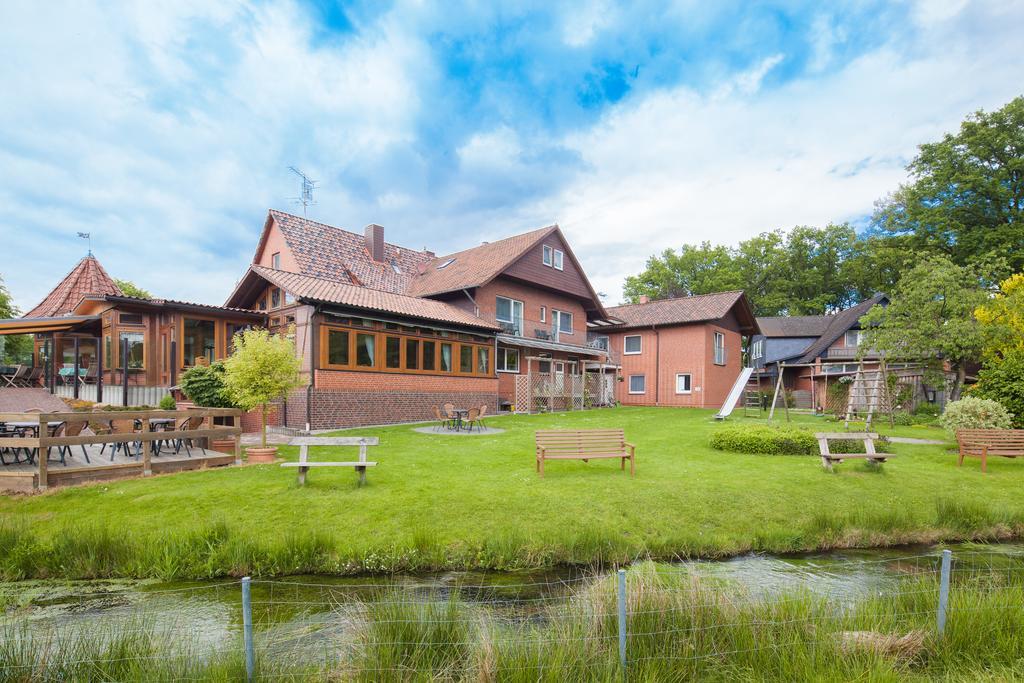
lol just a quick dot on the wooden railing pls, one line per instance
(146, 436)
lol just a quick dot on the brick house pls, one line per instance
(685, 351)
(387, 332)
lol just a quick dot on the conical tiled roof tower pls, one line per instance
(88, 277)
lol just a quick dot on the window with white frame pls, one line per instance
(683, 383)
(275, 260)
(543, 314)
(719, 348)
(637, 384)
(853, 337)
(558, 260)
(510, 312)
(549, 255)
(757, 349)
(562, 321)
(632, 344)
(508, 360)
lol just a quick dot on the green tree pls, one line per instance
(204, 385)
(14, 348)
(1002, 380)
(931, 319)
(693, 270)
(1002, 319)
(263, 368)
(966, 197)
(129, 288)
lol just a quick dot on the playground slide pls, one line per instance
(734, 396)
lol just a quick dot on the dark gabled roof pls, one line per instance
(87, 277)
(179, 305)
(838, 325)
(476, 266)
(687, 309)
(334, 292)
(332, 253)
(794, 325)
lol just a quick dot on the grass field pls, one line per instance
(441, 501)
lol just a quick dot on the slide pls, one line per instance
(734, 395)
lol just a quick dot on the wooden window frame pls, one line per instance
(625, 345)
(380, 353)
(217, 332)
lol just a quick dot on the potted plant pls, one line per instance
(204, 386)
(262, 369)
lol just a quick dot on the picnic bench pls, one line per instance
(828, 458)
(304, 442)
(981, 443)
(585, 445)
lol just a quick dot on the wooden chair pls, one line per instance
(18, 378)
(33, 378)
(584, 445)
(75, 428)
(472, 416)
(124, 426)
(828, 458)
(981, 443)
(442, 421)
(90, 375)
(190, 424)
(480, 417)
(449, 410)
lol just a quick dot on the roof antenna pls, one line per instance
(306, 198)
(87, 236)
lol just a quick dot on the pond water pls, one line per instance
(304, 615)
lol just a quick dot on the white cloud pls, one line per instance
(680, 166)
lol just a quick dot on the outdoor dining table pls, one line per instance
(67, 373)
(459, 413)
(13, 427)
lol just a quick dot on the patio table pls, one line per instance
(67, 373)
(459, 412)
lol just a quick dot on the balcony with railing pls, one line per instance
(850, 352)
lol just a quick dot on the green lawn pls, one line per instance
(456, 501)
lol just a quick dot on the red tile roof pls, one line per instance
(476, 266)
(688, 309)
(332, 291)
(324, 251)
(87, 277)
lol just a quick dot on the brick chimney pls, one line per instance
(643, 299)
(375, 241)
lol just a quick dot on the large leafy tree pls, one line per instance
(1002, 319)
(931, 319)
(966, 197)
(692, 270)
(15, 348)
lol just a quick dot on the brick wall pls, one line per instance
(353, 399)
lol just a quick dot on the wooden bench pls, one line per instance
(828, 458)
(981, 443)
(304, 442)
(585, 445)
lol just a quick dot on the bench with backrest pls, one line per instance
(304, 442)
(981, 443)
(828, 458)
(585, 445)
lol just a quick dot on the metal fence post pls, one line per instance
(947, 557)
(622, 620)
(247, 627)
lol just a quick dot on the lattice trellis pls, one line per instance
(524, 401)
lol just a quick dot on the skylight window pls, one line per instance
(446, 263)
(394, 267)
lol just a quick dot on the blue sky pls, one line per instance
(167, 131)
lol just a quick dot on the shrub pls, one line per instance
(762, 440)
(928, 410)
(204, 386)
(168, 403)
(902, 418)
(1002, 380)
(972, 412)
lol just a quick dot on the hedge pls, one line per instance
(762, 440)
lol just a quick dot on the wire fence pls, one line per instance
(679, 617)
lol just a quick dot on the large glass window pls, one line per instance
(198, 341)
(510, 312)
(483, 356)
(508, 360)
(136, 355)
(412, 354)
(392, 352)
(562, 321)
(337, 347)
(429, 355)
(365, 350)
(275, 297)
(465, 358)
(446, 357)
(853, 338)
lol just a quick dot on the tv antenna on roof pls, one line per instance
(306, 198)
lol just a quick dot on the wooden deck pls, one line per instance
(23, 477)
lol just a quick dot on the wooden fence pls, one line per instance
(147, 436)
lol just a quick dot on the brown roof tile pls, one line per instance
(325, 251)
(87, 277)
(476, 266)
(687, 309)
(839, 324)
(332, 291)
